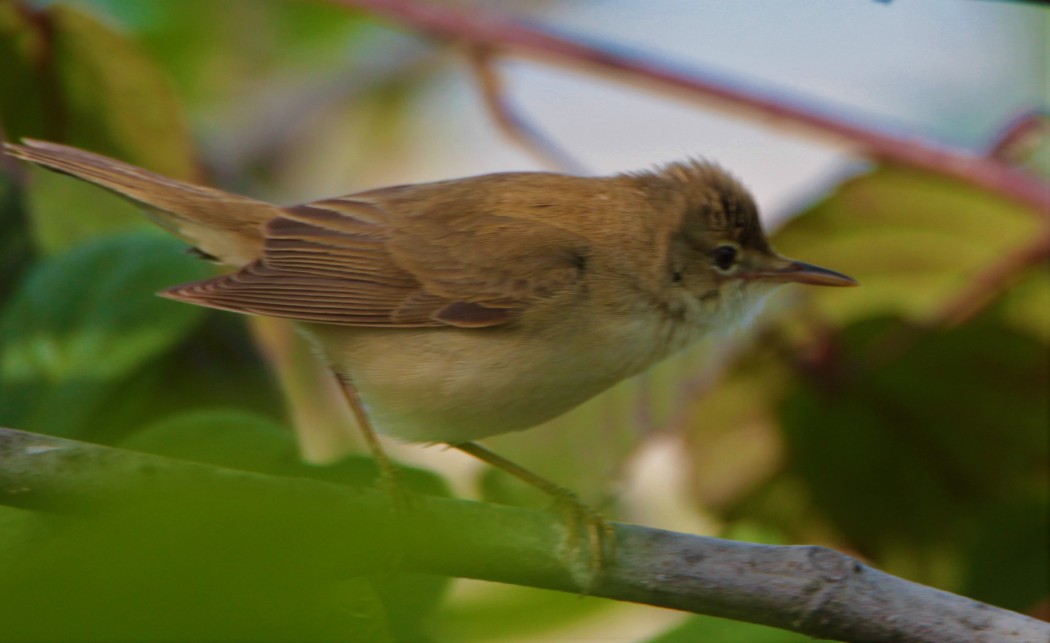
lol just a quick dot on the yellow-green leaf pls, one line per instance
(912, 240)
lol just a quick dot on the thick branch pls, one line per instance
(479, 27)
(812, 590)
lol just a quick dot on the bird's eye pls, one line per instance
(724, 257)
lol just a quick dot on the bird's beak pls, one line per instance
(788, 270)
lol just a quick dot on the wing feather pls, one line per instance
(350, 261)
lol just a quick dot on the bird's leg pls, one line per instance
(580, 519)
(389, 476)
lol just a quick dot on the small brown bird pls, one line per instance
(466, 308)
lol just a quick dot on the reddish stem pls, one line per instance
(513, 125)
(480, 27)
(965, 304)
(1020, 136)
(986, 285)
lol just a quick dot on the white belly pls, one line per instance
(456, 385)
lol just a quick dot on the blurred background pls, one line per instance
(903, 422)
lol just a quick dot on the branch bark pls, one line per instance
(812, 590)
(479, 27)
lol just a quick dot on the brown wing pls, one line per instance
(349, 261)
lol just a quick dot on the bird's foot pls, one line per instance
(589, 542)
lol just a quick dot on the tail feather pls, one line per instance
(224, 225)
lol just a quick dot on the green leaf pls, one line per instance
(912, 240)
(190, 556)
(217, 365)
(184, 561)
(243, 440)
(239, 440)
(707, 628)
(25, 108)
(65, 212)
(15, 245)
(101, 92)
(497, 612)
(226, 56)
(912, 439)
(115, 98)
(82, 321)
(1026, 306)
(226, 438)
(1008, 554)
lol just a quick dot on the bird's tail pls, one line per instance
(223, 225)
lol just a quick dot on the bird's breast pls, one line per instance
(455, 385)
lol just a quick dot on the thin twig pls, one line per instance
(480, 27)
(1020, 137)
(812, 590)
(510, 122)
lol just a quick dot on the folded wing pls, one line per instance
(350, 261)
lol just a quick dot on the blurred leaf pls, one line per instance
(215, 366)
(83, 320)
(733, 430)
(912, 240)
(245, 441)
(701, 629)
(225, 438)
(496, 612)
(15, 246)
(316, 32)
(905, 455)
(67, 77)
(1009, 556)
(755, 532)
(65, 212)
(26, 105)
(895, 452)
(242, 440)
(102, 93)
(184, 558)
(181, 560)
(215, 49)
(115, 98)
(1026, 306)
